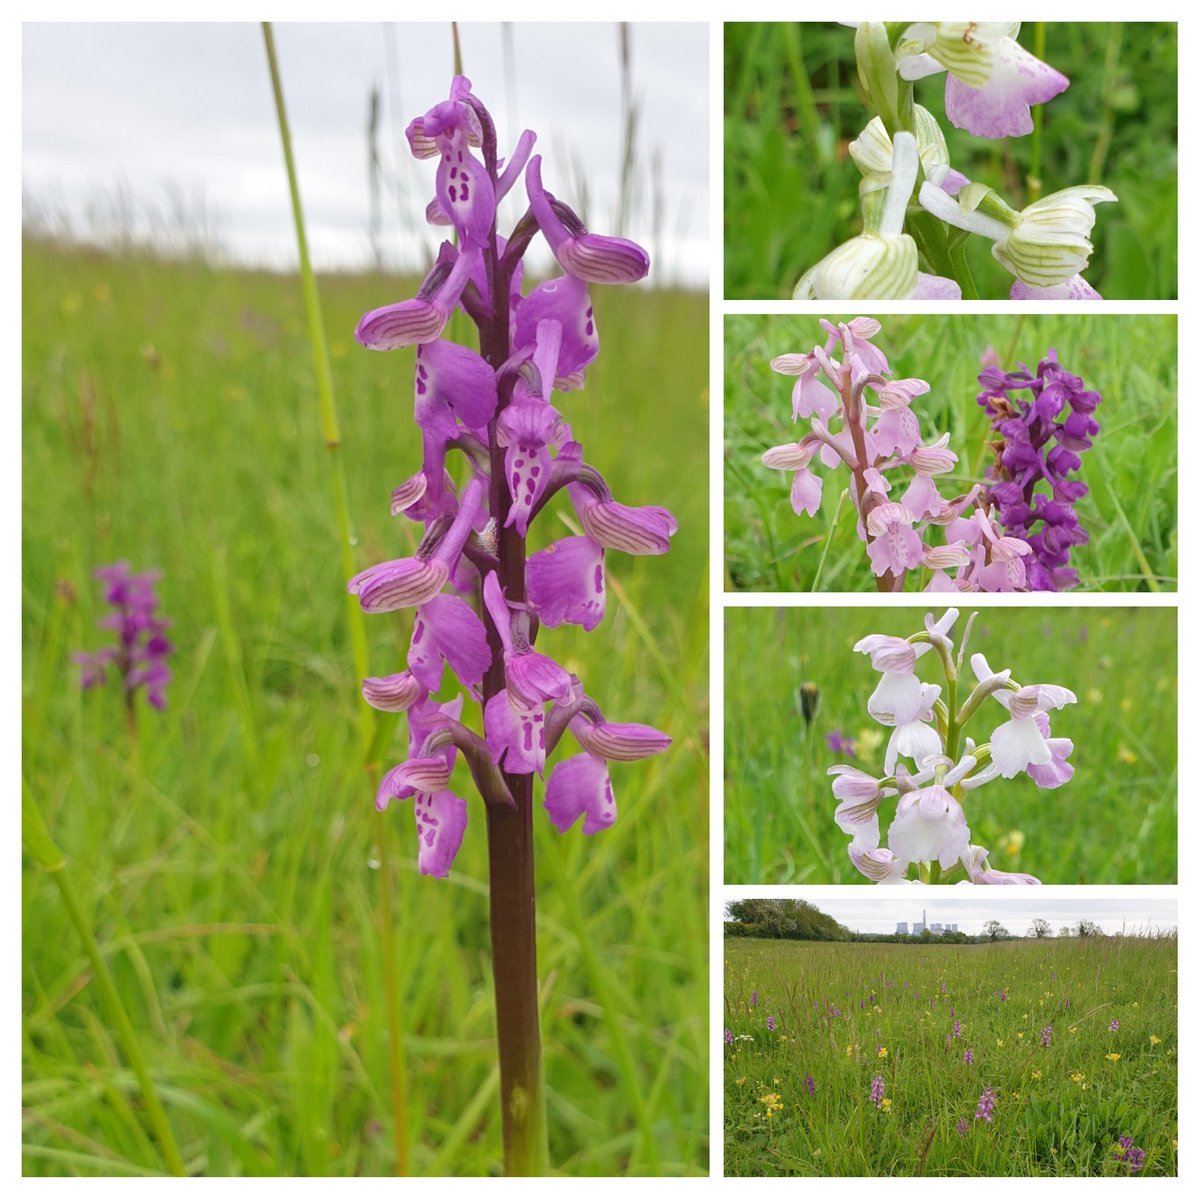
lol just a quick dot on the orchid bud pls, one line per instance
(877, 70)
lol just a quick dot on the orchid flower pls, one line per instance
(580, 253)
(874, 441)
(479, 597)
(440, 815)
(421, 319)
(1044, 245)
(992, 79)
(580, 786)
(1021, 742)
(141, 650)
(881, 263)
(932, 767)
(991, 84)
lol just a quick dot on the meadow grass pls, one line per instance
(793, 104)
(1114, 822)
(1059, 1109)
(1130, 512)
(226, 859)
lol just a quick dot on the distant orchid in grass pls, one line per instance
(862, 419)
(1129, 1154)
(1044, 424)
(138, 657)
(932, 768)
(912, 246)
(479, 600)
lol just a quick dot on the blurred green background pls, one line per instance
(1114, 822)
(1130, 512)
(227, 864)
(793, 104)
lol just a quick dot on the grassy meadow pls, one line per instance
(1114, 822)
(1130, 513)
(226, 858)
(845, 1014)
(793, 105)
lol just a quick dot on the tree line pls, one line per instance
(797, 920)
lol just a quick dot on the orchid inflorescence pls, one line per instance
(496, 407)
(139, 655)
(929, 831)
(876, 440)
(1044, 423)
(916, 208)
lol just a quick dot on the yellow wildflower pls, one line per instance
(1014, 842)
(1035, 1074)
(1154, 1040)
(1126, 755)
(881, 1052)
(868, 740)
(885, 1104)
(1113, 1057)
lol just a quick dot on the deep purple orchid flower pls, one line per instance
(1045, 422)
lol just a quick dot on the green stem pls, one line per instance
(930, 235)
(1033, 181)
(837, 513)
(952, 724)
(962, 270)
(331, 433)
(37, 839)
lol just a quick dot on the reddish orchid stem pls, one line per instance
(512, 905)
(888, 581)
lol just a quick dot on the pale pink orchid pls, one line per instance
(895, 545)
(1021, 742)
(929, 830)
(976, 863)
(930, 825)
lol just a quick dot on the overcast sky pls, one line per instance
(878, 915)
(155, 108)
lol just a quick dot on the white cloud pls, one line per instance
(151, 106)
